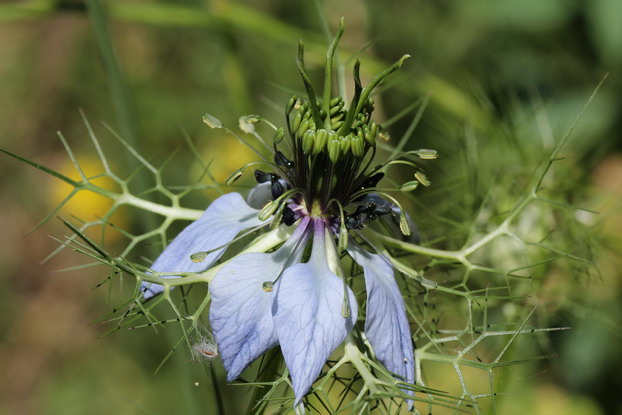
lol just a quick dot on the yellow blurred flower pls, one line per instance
(85, 205)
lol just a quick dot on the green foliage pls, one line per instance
(499, 223)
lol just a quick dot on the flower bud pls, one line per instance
(278, 136)
(302, 128)
(358, 146)
(336, 108)
(290, 105)
(373, 129)
(321, 138)
(334, 149)
(345, 144)
(297, 120)
(307, 141)
(368, 135)
(337, 117)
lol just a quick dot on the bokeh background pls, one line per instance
(484, 65)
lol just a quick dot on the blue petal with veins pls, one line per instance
(386, 324)
(240, 314)
(307, 313)
(220, 223)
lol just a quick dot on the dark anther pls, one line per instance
(372, 181)
(281, 160)
(261, 176)
(289, 217)
(276, 188)
(372, 210)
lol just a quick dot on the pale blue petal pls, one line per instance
(262, 194)
(240, 313)
(259, 195)
(308, 316)
(220, 223)
(386, 324)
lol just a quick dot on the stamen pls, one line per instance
(200, 256)
(423, 179)
(237, 174)
(262, 177)
(289, 216)
(409, 186)
(343, 229)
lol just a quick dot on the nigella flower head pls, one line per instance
(312, 204)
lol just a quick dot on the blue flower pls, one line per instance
(287, 288)
(263, 300)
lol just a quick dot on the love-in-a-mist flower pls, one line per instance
(312, 204)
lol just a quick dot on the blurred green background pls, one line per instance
(524, 66)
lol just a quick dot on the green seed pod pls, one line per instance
(345, 143)
(278, 136)
(304, 126)
(290, 105)
(409, 186)
(334, 150)
(426, 154)
(297, 121)
(307, 141)
(358, 146)
(423, 179)
(321, 138)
